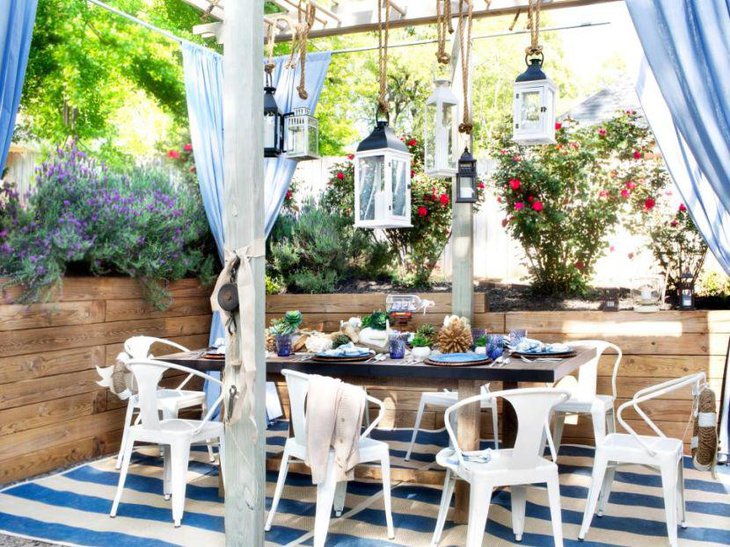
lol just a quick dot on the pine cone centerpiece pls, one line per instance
(270, 341)
(455, 335)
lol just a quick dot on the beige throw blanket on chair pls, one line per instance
(334, 417)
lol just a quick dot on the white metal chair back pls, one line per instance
(697, 381)
(297, 384)
(138, 347)
(147, 373)
(587, 383)
(532, 406)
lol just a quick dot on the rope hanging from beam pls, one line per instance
(306, 14)
(533, 15)
(384, 29)
(443, 27)
(465, 25)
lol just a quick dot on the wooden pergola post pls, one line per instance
(243, 218)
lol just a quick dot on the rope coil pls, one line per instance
(466, 125)
(704, 436)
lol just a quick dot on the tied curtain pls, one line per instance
(16, 30)
(203, 70)
(685, 93)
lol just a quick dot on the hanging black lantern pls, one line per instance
(686, 291)
(273, 125)
(466, 178)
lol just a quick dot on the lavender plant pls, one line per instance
(83, 219)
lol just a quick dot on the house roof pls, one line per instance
(605, 104)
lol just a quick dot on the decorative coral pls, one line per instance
(455, 335)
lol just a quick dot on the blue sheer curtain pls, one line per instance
(204, 89)
(16, 30)
(685, 93)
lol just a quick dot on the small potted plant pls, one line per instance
(283, 329)
(480, 346)
(421, 348)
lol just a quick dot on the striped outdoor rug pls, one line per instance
(72, 508)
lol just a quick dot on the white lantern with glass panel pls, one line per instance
(439, 154)
(534, 106)
(301, 135)
(382, 181)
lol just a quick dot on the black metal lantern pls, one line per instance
(273, 125)
(686, 292)
(466, 178)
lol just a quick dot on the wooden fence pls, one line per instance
(53, 414)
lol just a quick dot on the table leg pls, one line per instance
(509, 419)
(468, 433)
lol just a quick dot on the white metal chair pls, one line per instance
(445, 399)
(175, 435)
(583, 396)
(169, 401)
(329, 492)
(515, 467)
(658, 452)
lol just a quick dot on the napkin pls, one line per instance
(529, 345)
(346, 350)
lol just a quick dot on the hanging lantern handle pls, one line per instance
(532, 55)
(381, 115)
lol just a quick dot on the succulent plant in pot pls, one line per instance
(421, 348)
(480, 345)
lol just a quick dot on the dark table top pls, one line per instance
(515, 371)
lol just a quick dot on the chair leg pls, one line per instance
(126, 457)
(599, 471)
(606, 489)
(495, 423)
(553, 488)
(419, 416)
(283, 470)
(479, 501)
(446, 496)
(340, 495)
(385, 470)
(611, 420)
(125, 434)
(682, 508)
(179, 469)
(325, 498)
(669, 488)
(599, 425)
(519, 503)
(558, 430)
(167, 475)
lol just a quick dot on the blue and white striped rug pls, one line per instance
(71, 508)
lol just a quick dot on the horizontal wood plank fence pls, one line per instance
(53, 414)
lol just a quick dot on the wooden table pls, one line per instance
(468, 380)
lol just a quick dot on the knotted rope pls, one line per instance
(383, 31)
(465, 50)
(533, 16)
(443, 27)
(306, 14)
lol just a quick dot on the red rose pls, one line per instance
(480, 185)
(682, 208)
(499, 199)
(193, 169)
(516, 159)
(519, 205)
(612, 248)
(631, 256)
(422, 211)
(444, 199)
(537, 206)
(530, 199)
(288, 194)
(174, 154)
(558, 126)
(580, 265)
(412, 142)
(505, 221)
(601, 132)
(649, 203)
(637, 155)
(514, 184)
(188, 147)
(674, 223)
(625, 193)
(340, 175)
(603, 193)
(350, 157)
(503, 152)
(413, 173)
(631, 185)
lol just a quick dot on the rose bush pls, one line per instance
(83, 219)
(415, 250)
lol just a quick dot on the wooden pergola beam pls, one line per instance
(357, 16)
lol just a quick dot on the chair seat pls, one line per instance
(498, 467)
(627, 449)
(585, 404)
(178, 428)
(172, 400)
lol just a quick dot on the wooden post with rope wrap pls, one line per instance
(243, 217)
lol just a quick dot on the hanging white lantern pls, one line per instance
(301, 135)
(382, 181)
(534, 106)
(439, 120)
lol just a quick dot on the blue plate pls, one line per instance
(341, 355)
(458, 358)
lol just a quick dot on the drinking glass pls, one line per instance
(516, 336)
(495, 345)
(283, 345)
(397, 346)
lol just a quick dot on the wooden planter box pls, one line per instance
(52, 412)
